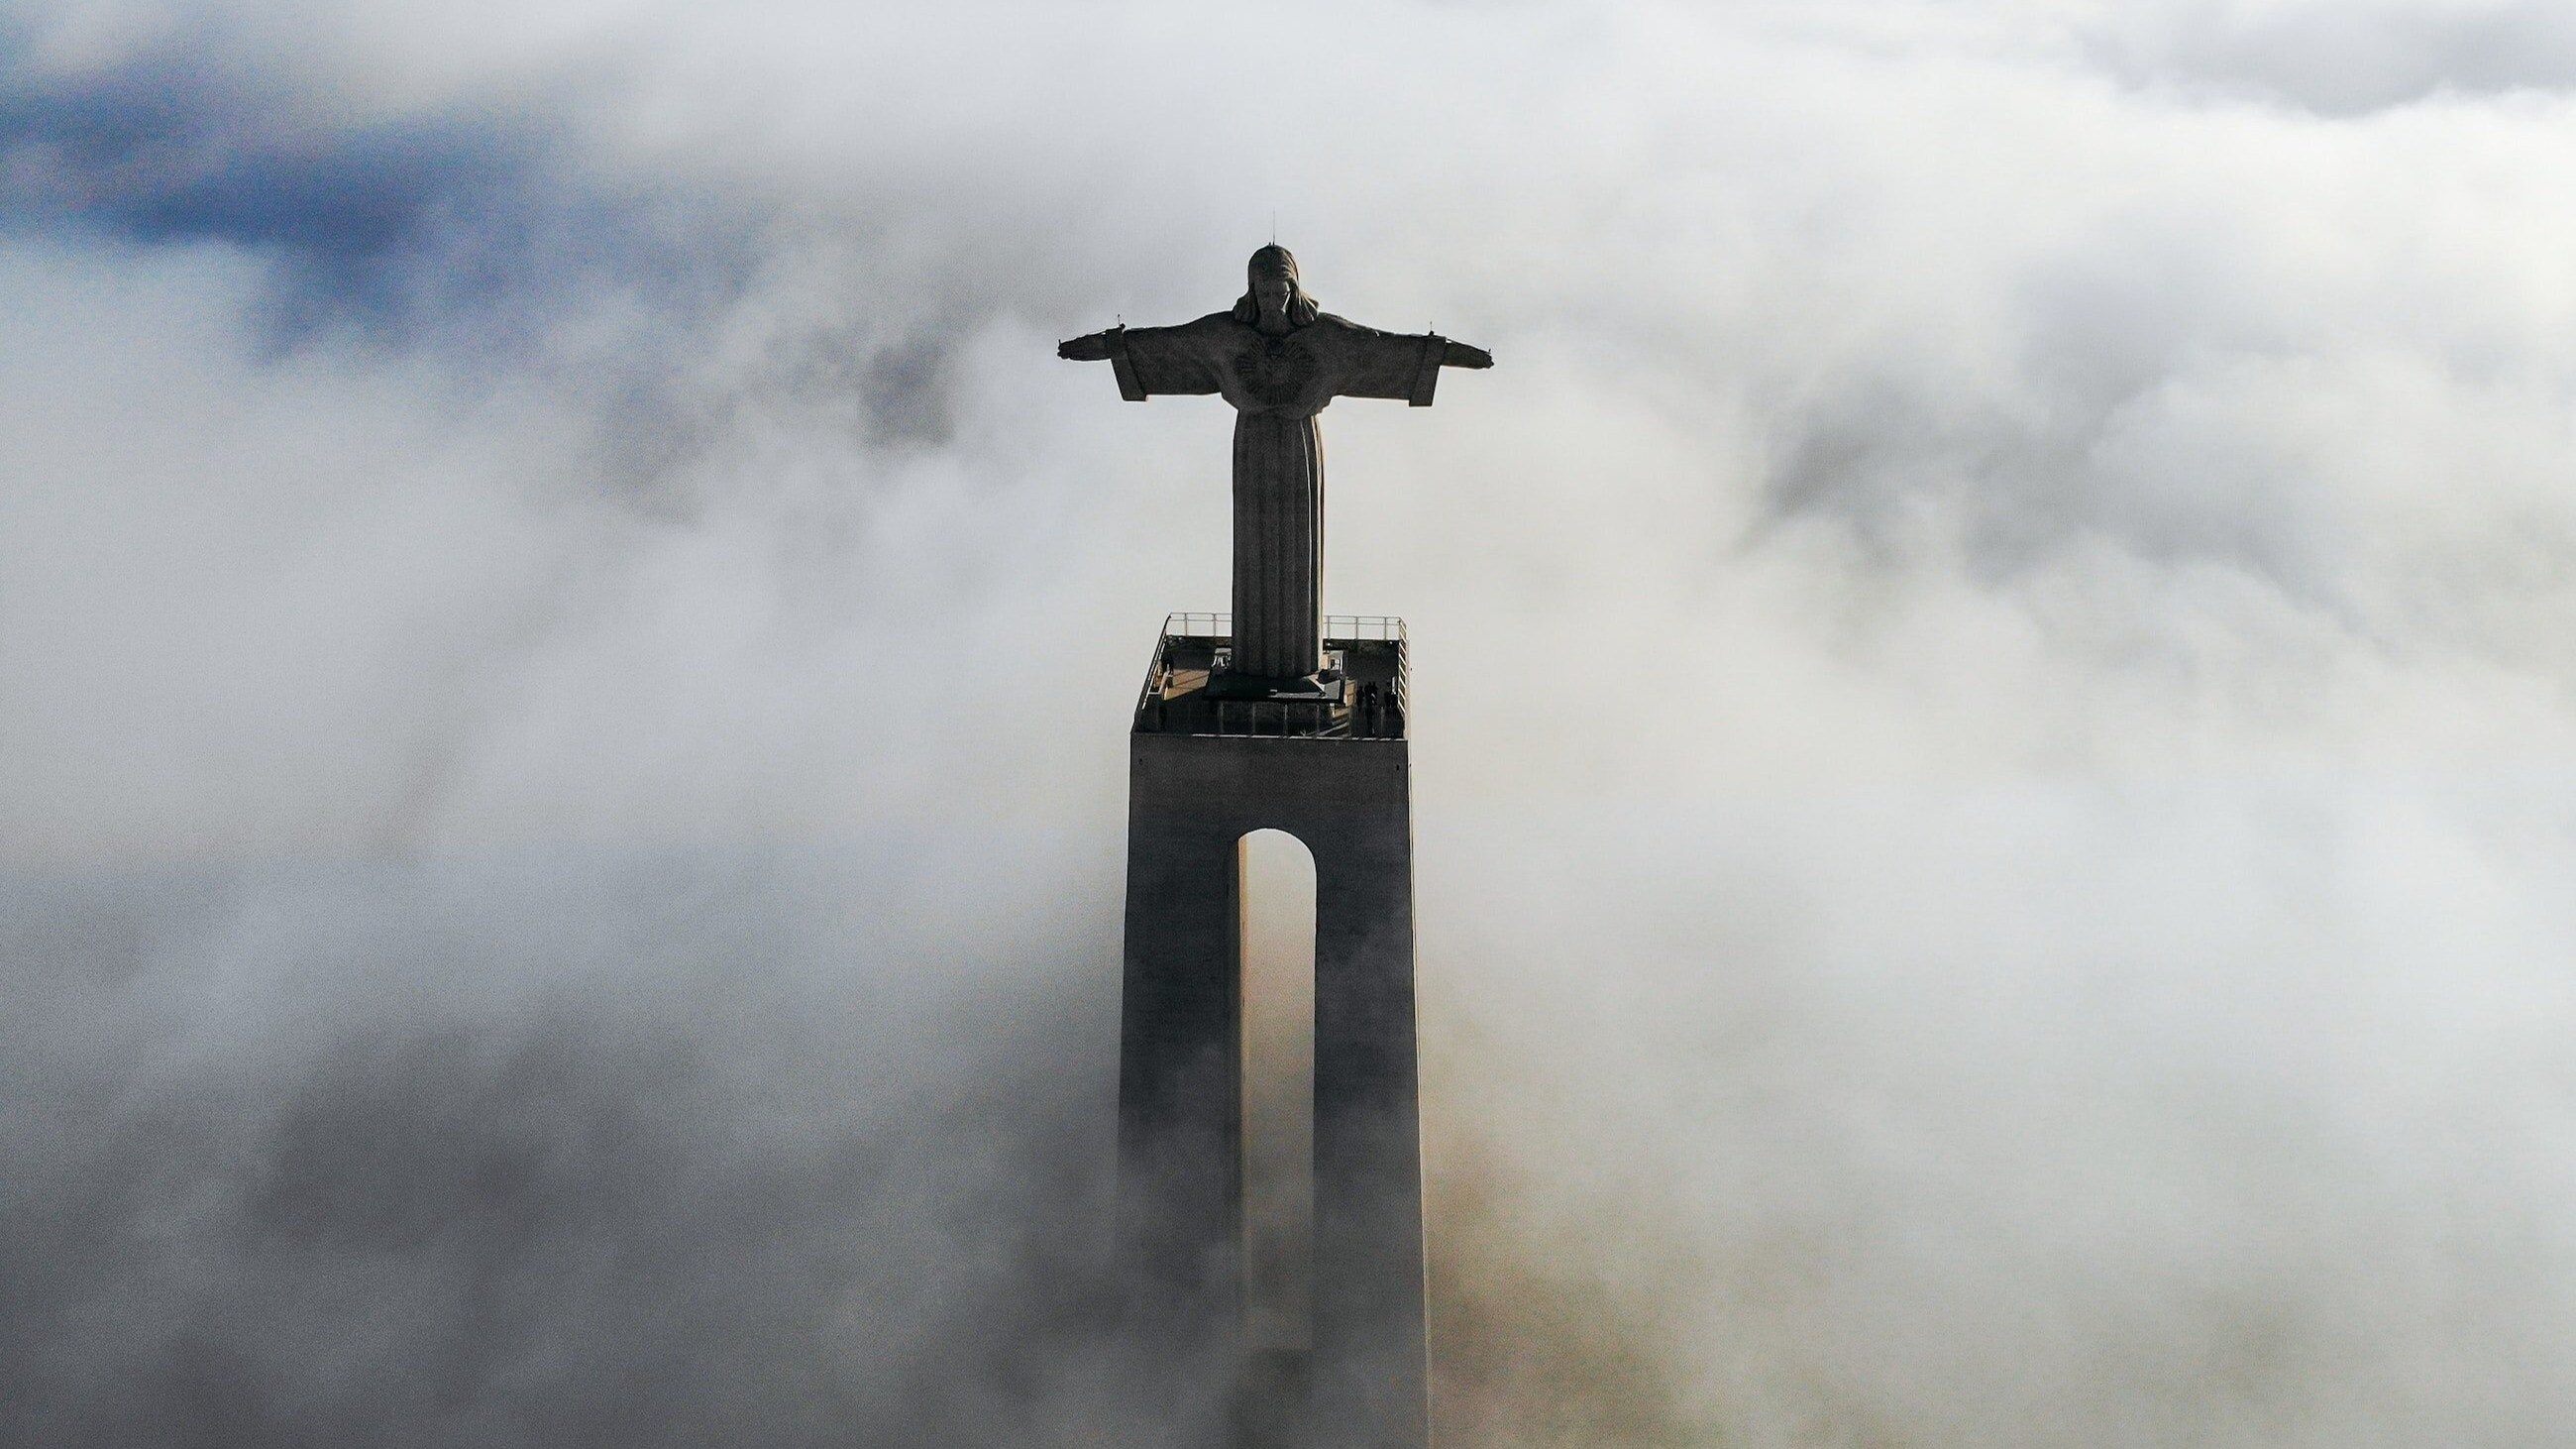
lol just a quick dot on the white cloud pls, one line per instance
(1990, 657)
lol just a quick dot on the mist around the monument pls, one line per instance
(1991, 707)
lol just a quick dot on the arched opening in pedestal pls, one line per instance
(1276, 877)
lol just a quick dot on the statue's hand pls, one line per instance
(1094, 348)
(1459, 354)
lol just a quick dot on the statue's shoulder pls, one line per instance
(1214, 329)
(1343, 337)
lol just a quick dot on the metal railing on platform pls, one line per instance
(1381, 627)
(1368, 650)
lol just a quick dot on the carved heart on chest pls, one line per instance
(1275, 370)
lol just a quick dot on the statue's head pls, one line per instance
(1273, 301)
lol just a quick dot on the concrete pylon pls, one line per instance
(1333, 773)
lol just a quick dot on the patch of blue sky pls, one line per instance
(445, 228)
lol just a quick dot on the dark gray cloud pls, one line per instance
(542, 1151)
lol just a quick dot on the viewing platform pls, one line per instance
(1358, 695)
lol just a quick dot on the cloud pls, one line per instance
(484, 1152)
(2341, 60)
(454, 217)
(1991, 679)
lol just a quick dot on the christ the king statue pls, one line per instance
(1279, 361)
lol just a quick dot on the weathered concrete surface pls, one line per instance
(1192, 798)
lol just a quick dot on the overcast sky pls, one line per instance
(1995, 665)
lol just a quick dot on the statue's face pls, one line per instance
(1271, 293)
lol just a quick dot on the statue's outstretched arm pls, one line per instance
(1459, 354)
(1150, 361)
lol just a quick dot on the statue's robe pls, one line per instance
(1277, 385)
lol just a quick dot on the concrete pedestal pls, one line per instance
(1346, 796)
